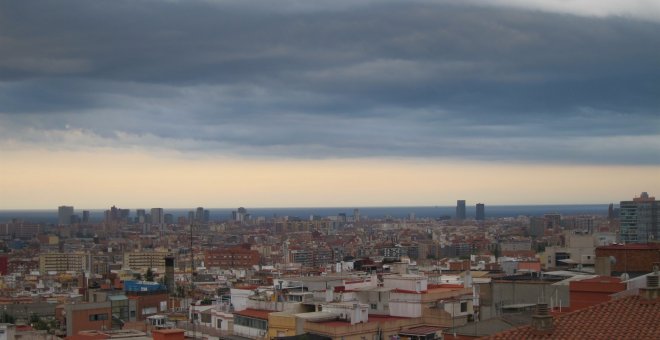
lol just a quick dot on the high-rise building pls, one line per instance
(356, 215)
(117, 215)
(639, 219)
(141, 216)
(241, 215)
(460, 209)
(481, 212)
(199, 215)
(85, 217)
(157, 216)
(64, 214)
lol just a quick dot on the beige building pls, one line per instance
(62, 262)
(141, 261)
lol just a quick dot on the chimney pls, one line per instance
(603, 266)
(652, 290)
(542, 321)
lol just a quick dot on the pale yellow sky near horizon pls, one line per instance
(41, 179)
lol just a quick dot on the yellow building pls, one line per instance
(141, 261)
(281, 324)
(62, 262)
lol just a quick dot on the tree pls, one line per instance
(137, 276)
(149, 276)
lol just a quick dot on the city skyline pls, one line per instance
(350, 103)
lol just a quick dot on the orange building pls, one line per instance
(589, 292)
(85, 317)
(631, 257)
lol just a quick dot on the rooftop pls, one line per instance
(254, 313)
(631, 246)
(626, 318)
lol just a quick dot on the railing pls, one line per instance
(203, 330)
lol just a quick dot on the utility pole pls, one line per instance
(192, 281)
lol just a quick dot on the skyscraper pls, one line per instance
(481, 212)
(64, 214)
(460, 210)
(157, 216)
(639, 219)
(199, 215)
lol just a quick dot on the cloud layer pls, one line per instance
(533, 81)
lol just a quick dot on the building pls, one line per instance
(62, 262)
(141, 261)
(85, 216)
(251, 323)
(234, 257)
(150, 298)
(639, 219)
(460, 209)
(64, 214)
(85, 317)
(630, 317)
(481, 212)
(7, 331)
(630, 258)
(157, 216)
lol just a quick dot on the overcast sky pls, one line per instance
(275, 84)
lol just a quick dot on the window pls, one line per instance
(250, 322)
(98, 317)
(463, 307)
(373, 306)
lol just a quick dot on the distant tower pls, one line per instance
(640, 221)
(85, 217)
(356, 215)
(460, 210)
(481, 212)
(199, 215)
(64, 214)
(610, 212)
(157, 216)
(141, 216)
(169, 274)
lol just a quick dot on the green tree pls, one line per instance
(149, 275)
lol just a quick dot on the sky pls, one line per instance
(169, 103)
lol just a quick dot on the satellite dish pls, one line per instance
(612, 260)
(625, 277)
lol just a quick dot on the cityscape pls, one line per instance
(329, 170)
(148, 271)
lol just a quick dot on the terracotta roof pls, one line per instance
(627, 318)
(631, 246)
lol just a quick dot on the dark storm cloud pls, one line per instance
(345, 80)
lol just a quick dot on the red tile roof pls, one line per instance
(627, 318)
(631, 246)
